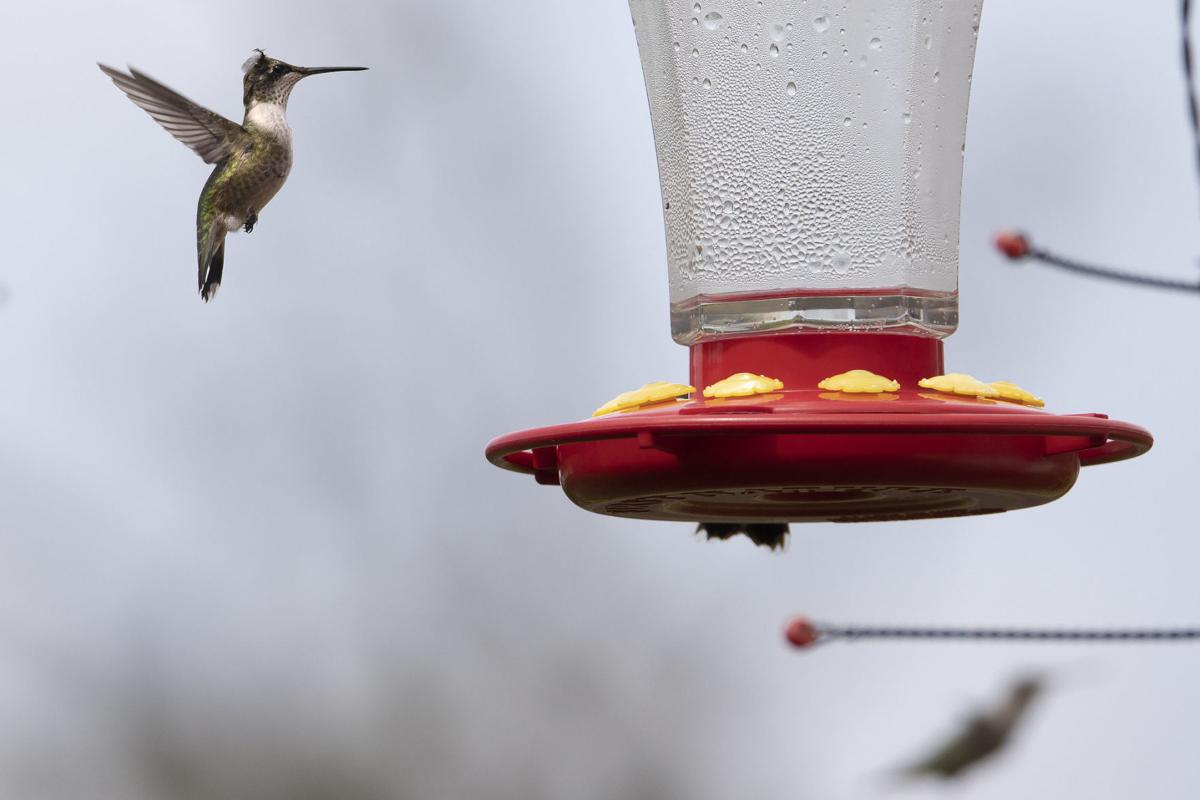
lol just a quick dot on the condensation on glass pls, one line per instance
(810, 155)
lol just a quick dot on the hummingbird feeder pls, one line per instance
(810, 155)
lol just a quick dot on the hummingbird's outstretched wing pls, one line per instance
(208, 133)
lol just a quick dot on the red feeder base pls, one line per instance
(803, 454)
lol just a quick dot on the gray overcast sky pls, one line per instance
(252, 549)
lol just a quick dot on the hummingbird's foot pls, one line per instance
(250, 222)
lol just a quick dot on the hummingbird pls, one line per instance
(252, 159)
(764, 534)
(985, 734)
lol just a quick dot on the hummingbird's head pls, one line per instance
(1026, 688)
(269, 80)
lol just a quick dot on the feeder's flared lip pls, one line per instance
(843, 427)
(1093, 437)
(809, 455)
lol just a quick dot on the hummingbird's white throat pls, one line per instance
(270, 118)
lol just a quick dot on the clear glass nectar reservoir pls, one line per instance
(810, 155)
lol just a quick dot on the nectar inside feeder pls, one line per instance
(810, 156)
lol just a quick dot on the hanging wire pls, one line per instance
(803, 632)
(1016, 246)
(1189, 76)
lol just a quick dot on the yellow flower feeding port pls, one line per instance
(859, 381)
(650, 394)
(743, 384)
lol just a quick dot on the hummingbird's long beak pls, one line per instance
(306, 71)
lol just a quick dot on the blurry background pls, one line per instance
(253, 550)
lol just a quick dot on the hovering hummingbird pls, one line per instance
(985, 735)
(764, 534)
(252, 159)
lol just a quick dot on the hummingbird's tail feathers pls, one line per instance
(209, 134)
(210, 282)
(211, 258)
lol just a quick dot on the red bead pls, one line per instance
(1012, 244)
(801, 632)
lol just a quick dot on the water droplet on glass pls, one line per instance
(745, 49)
(696, 7)
(928, 42)
(821, 24)
(907, 118)
(779, 31)
(713, 20)
(875, 43)
(791, 89)
(937, 76)
(840, 262)
(774, 50)
(707, 83)
(695, 53)
(846, 122)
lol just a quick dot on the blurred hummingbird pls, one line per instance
(764, 534)
(985, 735)
(252, 159)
